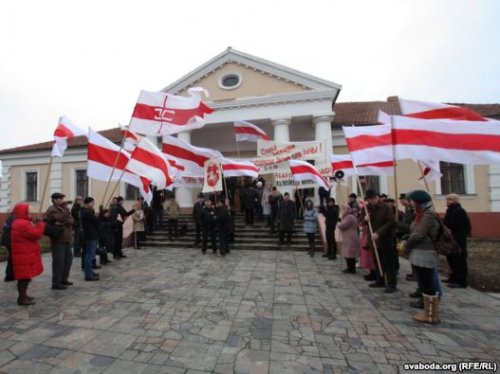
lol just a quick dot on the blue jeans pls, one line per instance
(89, 256)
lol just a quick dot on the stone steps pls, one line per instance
(256, 237)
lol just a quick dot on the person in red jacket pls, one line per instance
(26, 254)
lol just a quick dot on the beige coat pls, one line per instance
(138, 218)
(172, 208)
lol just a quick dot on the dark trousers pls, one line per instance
(173, 226)
(62, 259)
(351, 265)
(9, 271)
(310, 241)
(458, 267)
(206, 233)
(331, 243)
(388, 261)
(139, 238)
(77, 242)
(425, 280)
(198, 232)
(117, 250)
(272, 218)
(288, 237)
(158, 217)
(223, 242)
(249, 216)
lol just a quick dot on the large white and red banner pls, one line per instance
(190, 157)
(239, 168)
(463, 142)
(64, 131)
(161, 113)
(103, 155)
(149, 161)
(213, 176)
(130, 139)
(300, 150)
(303, 170)
(369, 144)
(431, 110)
(344, 163)
(246, 131)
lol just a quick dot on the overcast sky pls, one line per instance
(90, 59)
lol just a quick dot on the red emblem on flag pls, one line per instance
(212, 174)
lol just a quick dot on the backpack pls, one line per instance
(445, 244)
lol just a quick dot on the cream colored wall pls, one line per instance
(254, 83)
(18, 193)
(408, 173)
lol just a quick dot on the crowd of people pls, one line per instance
(371, 230)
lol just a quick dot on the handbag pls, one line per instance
(445, 244)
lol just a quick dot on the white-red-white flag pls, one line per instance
(238, 168)
(430, 110)
(161, 113)
(463, 142)
(102, 157)
(345, 164)
(64, 131)
(246, 131)
(149, 161)
(213, 176)
(303, 170)
(431, 171)
(130, 139)
(190, 157)
(369, 144)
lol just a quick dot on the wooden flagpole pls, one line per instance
(379, 265)
(114, 167)
(395, 177)
(45, 185)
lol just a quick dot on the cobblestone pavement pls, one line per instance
(176, 311)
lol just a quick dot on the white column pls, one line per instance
(5, 190)
(323, 132)
(184, 196)
(282, 134)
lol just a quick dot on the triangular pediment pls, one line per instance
(256, 78)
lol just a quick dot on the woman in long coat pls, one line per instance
(26, 253)
(348, 226)
(424, 231)
(310, 224)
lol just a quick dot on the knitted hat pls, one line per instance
(419, 196)
(88, 200)
(370, 193)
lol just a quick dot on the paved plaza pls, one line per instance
(176, 311)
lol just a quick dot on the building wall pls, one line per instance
(254, 83)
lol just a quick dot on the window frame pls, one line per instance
(24, 186)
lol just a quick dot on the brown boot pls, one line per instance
(431, 310)
(22, 288)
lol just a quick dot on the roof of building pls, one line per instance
(348, 113)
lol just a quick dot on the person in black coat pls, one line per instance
(78, 242)
(457, 220)
(106, 235)
(287, 215)
(274, 201)
(118, 215)
(223, 225)
(250, 199)
(7, 243)
(331, 214)
(90, 227)
(198, 217)
(324, 195)
(209, 225)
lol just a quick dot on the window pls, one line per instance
(32, 186)
(230, 81)
(370, 182)
(131, 192)
(81, 183)
(453, 179)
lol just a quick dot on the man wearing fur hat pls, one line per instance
(60, 216)
(383, 226)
